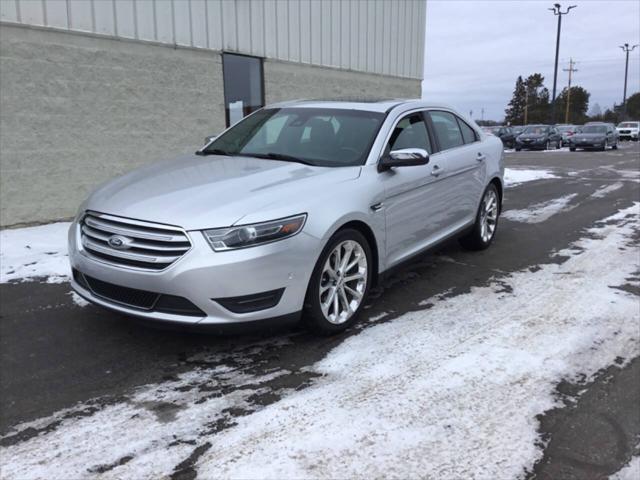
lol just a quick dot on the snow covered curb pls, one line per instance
(35, 252)
(450, 392)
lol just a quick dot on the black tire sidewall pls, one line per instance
(312, 314)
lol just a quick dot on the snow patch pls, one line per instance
(449, 392)
(541, 212)
(78, 300)
(513, 176)
(604, 191)
(35, 252)
(629, 472)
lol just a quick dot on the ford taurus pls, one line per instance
(294, 212)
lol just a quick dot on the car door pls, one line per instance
(461, 162)
(415, 198)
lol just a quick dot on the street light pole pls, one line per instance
(625, 48)
(557, 11)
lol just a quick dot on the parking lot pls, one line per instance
(521, 359)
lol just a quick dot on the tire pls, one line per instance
(604, 147)
(333, 322)
(559, 145)
(518, 149)
(477, 239)
(614, 146)
(572, 149)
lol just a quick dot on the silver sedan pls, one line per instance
(294, 212)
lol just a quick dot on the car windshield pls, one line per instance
(594, 129)
(535, 130)
(628, 125)
(319, 137)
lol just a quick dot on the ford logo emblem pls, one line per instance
(119, 242)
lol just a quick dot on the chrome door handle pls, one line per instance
(436, 171)
(481, 157)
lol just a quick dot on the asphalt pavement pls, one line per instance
(55, 354)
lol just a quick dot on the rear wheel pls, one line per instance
(486, 221)
(339, 284)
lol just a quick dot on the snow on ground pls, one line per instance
(629, 472)
(541, 211)
(517, 176)
(604, 191)
(447, 392)
(35, 252)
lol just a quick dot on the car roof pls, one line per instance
(366, 104)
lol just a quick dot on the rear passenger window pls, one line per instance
(410, 132)
(446, 129)
(469, 135)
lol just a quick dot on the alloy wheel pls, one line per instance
(343, 281)
(488, 215)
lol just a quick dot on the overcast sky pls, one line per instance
(476, 49)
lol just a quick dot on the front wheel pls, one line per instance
(605, 146)
(486, 223)
(614, 146)
(339, 283)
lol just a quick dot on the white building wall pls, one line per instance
(375, 36)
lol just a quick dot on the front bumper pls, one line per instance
(202, 275)
(587, 144)
(628, 135)
(532, 145)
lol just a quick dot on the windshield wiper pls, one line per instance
(277, 156)
(214, 151)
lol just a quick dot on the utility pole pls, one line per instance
(570, 70)
(558, 13)
(625, 48)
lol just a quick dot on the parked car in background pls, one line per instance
(505, 134)
(628, 130)
(538, 137)
(595, 136)
(299, 207)
(517, 129)
(566, 131)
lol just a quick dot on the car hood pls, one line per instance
(196, 192)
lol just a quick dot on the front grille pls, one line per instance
(132, 243)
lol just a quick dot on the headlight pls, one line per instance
(244, 236)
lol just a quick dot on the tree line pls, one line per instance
(530, 104)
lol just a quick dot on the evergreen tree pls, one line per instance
(633, 106)
(537, 99)
(579, 104)
(514, 114)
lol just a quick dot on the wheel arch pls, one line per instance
(498, 184)
(367, 232)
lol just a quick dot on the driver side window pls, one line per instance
(410, 132)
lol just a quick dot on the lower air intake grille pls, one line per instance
(128, 296)
(140, 299)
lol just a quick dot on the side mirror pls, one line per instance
(406, 157)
